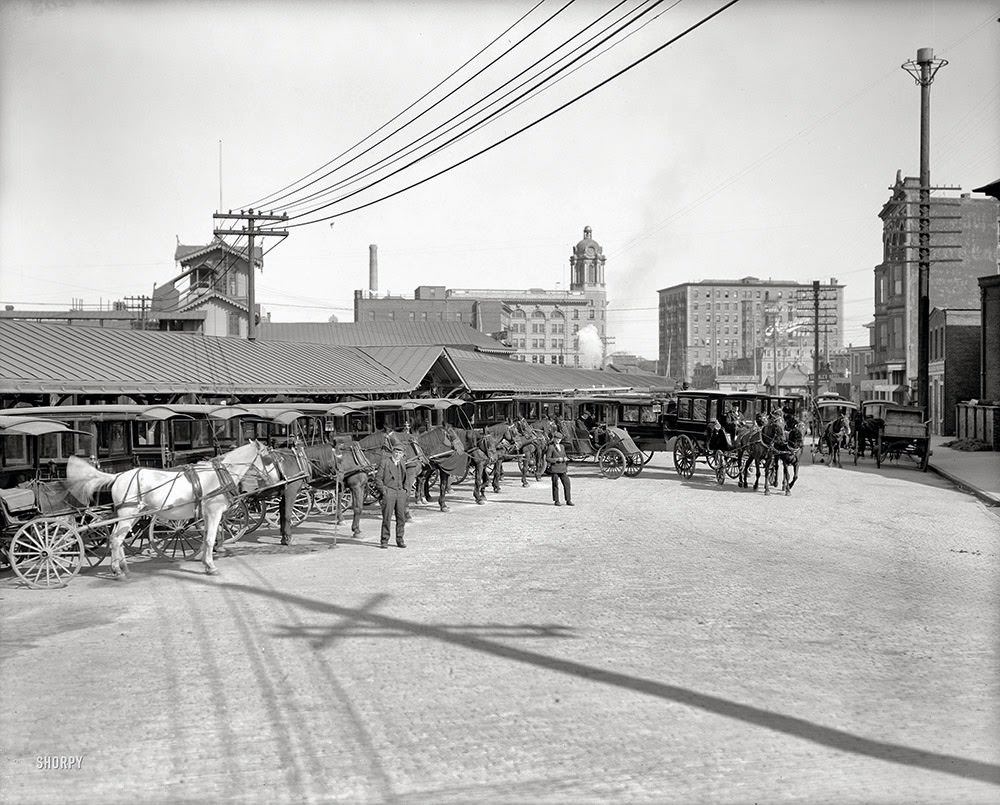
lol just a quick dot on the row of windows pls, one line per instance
(541, 343)
(556, 314)
(424, 316)
(539, 329)
(724, 294)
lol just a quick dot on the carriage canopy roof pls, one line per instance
(31, 426)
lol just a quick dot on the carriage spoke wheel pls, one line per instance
(301, 506)
(255, 513)
(634, 465)
(325, 501)
(720, 468)
(732, 466)
(175, 539)
(46, 553)
(137, 540)
(685, 455)
(95, 538)
(235, 522)
(647, 457)
(613, 463)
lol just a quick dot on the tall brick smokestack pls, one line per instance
(373, 270)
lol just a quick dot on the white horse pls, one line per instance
(202, 490)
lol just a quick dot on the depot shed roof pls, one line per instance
(481, 373)
(384, 334)
(57, 358)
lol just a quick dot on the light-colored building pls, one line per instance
(765, 325)
(560, 327)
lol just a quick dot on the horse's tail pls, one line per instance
(84, 479)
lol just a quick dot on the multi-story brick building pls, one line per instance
(953, 364)
(769, 324)
(563, 327)
(963, 247)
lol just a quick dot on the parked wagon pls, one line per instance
(42, 529)
(905, 432)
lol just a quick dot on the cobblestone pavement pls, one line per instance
(663, 641)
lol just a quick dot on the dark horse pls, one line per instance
(527, 448)
(865, 430)
(749, 442)
(786, 447)
(315, 465)
(835, 436)
(482, 451)
(446, 457)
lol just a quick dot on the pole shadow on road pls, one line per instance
(839, 740)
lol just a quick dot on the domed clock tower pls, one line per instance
(587, 264)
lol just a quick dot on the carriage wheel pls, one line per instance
(325, 502)
(613, 463)
(95, 538)
(713, 459)
(647, 458)
(301, 507)
(255, 513)
(685, 455)
(878, 452)
(634, 465)
(235, 522)
(137, 540)
(732, 465)
(175, 539)
(46, 552)
(720, 470)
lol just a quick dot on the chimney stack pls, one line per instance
(373, 270)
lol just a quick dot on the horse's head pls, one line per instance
(254, 464)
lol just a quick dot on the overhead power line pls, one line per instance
(273, 201)
(467, 114)
(529, 126)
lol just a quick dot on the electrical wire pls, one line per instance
(531, 125)
(415, 145)
(436, 103)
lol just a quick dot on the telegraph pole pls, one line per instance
(250, 231)
(923, 70)
(815, 339)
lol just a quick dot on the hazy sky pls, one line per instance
(762, 144)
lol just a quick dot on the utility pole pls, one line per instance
(815, 339)
(923, 70)
(250, 231)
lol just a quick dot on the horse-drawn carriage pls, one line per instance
(591, 426)
(831, 428)
(117, 437)
(689, 422)
(50, 527)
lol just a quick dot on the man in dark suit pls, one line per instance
(391, 482)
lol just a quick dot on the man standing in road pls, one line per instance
(558, 463)
(391, 482)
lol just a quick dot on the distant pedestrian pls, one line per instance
(555, 456)
(391, 482)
